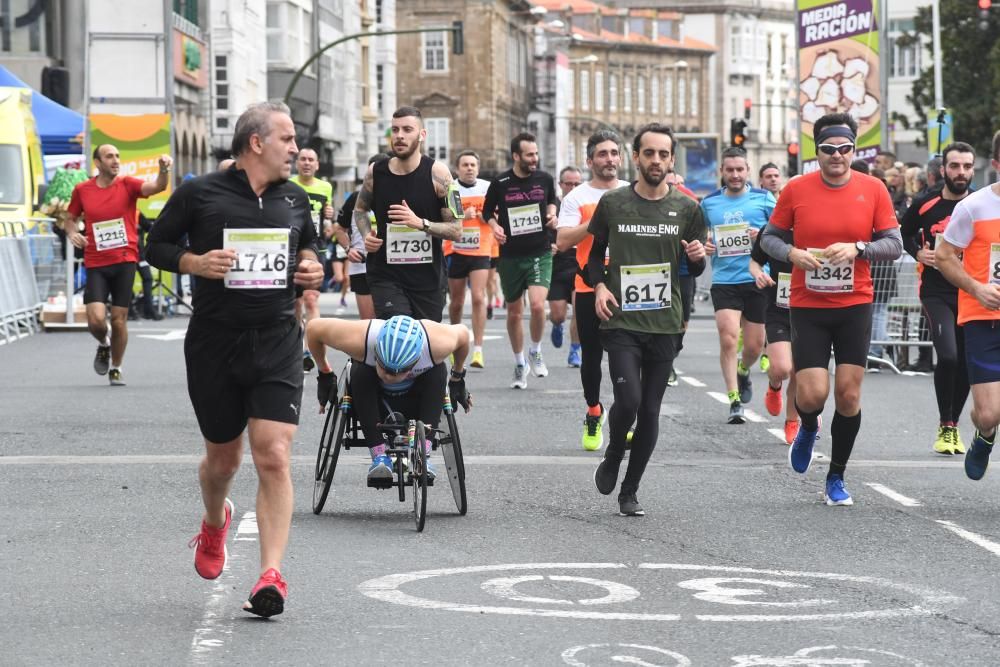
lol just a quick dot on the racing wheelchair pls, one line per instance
(341, 431)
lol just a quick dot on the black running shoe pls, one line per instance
(115, 378)
(978, 457)
(745, 385)
(606, 475)
(102, 360)
(736, 415)
(629, 506)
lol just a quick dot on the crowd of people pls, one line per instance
(610, 264)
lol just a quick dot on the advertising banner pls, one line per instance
(938, 132)
(839, 70)
(140, 140)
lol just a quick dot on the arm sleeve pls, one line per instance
(959, 231)
(162, 249)
(886, 246)
(697, 231)
(598, 227)
(910, 228)
(775, 241)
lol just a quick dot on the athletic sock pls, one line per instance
(741, 369)
(594, 410)
(107, 340)
(519, 359)
(734, 396)
(843, 432)
(535, 347)
(778, 388)
(810, 420)
(477, 348)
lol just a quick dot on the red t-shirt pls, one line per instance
(819, 214)
(111, 208)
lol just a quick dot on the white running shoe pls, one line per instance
(520, 380)
(537, 365)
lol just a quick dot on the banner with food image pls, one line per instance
(839, 71)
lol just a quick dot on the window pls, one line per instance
(289, 34)
(613, 92)
(221, 83)
(437, 138)
(609, 23)
(222, 123)
(668, 95)
(435, 51)
(682, 95)
(735, 42)
(905, 50)
(627, 102)
(599, 91)
(584, 90)
(380, 82)
(637, 25)
(694, 96)
(378, 12)
(665, 28)
(640, 89)
(654, 94)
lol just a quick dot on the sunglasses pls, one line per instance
(830, 149)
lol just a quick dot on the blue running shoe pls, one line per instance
(557, 334)
(380, 469)
(430, 471)
(978, 457)
(836, 494)
(573, 360)
(800, 454)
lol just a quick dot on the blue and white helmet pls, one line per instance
(399, 344)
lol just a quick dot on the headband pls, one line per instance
(835, 131)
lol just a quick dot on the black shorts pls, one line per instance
(493, 262)
(982, 351)
(460, 266)
(392, 299)
(744, 297)
(815, 330)
(687, 296)
(564, 270)
(655, 347)
(236, 374)
(359, 284)
(777, 324)
(115, 281)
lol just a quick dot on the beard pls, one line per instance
(652, 180)
(403, 153)
(956, 188)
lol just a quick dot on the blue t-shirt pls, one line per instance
(753, 207)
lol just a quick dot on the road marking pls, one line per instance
(173, 334)
(905, 501)
(778, 433)
(807, 658)
(719, 396)
(214, 631)
(562, 391)
(754, 417)
(927, 602)
(569, 655)
(694, 382)
(976, 539)
(504, 588)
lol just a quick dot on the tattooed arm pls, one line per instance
(364, 204)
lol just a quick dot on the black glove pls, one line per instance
(326, 388)
(459, 394)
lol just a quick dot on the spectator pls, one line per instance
(933, 171)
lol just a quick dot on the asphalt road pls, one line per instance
(738, 562)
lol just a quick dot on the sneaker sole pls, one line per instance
(225, 550)
(737, 420)
(838, 503)
(637, 513)
(539, 375)
(475, 365)
(266, 602)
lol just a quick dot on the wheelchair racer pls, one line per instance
(399, 361)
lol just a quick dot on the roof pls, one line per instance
(633, 38)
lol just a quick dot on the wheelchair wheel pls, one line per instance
(451, 449)
(418, 475)
(330, 444)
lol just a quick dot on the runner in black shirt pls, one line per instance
(922, 223)
(252, 243)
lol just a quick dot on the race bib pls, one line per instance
(261, 258)
(110, 234)
(315, 219)
(829, 277)
(645, 287)
(995, 263)
(407, 245)
(469, 239)
(784, 290)
(524, 220)
(732, 240)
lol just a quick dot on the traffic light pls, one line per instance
(747, 106)
(737, 132)
(793, 158)
(457, 38)
(985, 5)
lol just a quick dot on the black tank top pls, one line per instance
(417, 188)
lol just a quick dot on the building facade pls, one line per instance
(905, 60)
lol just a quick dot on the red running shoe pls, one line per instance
(772, 400)
(268, 597)
(791, 430)
(210, 554)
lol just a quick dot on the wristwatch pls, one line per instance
(861, 247)
(427, 225)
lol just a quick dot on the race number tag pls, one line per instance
(829, 277)
(407, 245)
(784, 290)
(995, 264)
(261, 258)
(732, 240)
(524, 220)
(469, 239)
(645, 287)
(315, 219)
(110, 234)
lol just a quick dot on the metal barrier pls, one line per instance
(19, 299)
(898, 321)
(47, 258)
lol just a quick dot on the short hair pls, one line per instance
(466, 153)
(515, 143)
(765, 167)
(735, 151)
(954, 147)
(887, 154)
(831, 119)
(995, 153)
(657, 128)
(404, 111)
(97, 150)
(255, 120)
(934, 165)
(600, 137)
(861, 166)
(308, 148)
(567, 168)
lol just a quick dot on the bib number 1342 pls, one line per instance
(645, 286)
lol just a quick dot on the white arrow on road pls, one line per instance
(173, 334)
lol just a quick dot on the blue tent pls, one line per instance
(60, 129)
